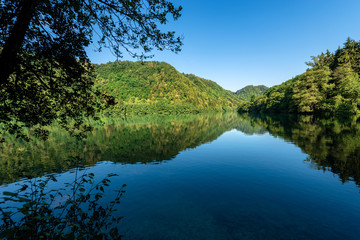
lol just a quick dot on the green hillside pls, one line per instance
(249, 91)
(157, 87)
(330, 85)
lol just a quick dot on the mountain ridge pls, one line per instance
(247, 92)
(157, 87)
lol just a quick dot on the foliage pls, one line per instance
(250, 91)
(45, 74)
(73, 212)
(157, 87)
(32, 99)
(330, 86)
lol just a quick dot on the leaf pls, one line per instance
(112, 175)
(24, 187)
(53, 178)
(10, 194)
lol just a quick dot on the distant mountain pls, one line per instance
(157, 87)
(247, 92)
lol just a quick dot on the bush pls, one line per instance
(80, 216)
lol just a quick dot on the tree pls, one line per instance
(347, 91)
(45, 73)
(311, 90)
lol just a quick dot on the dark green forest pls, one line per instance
(157, 87)
(330, 85)
(251, 91)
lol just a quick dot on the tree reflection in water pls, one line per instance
(331, 144)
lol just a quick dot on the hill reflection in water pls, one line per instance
(330, 144)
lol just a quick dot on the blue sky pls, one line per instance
(237, 43)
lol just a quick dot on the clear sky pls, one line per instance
(237, 43)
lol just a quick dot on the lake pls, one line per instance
(213, 176)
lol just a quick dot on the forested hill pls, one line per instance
(330, 85)
(157, 87)
(249, 91)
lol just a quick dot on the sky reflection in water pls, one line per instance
(228, 177)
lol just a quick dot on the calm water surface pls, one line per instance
(223, 176)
